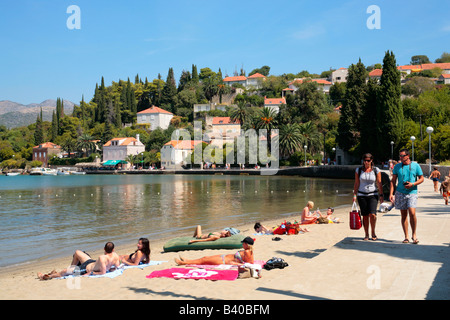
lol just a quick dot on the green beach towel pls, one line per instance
(182, 243)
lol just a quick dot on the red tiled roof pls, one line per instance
(429, 66)
(183, 144)
(154, 109)
(256, 75)
(238, 78)
(223, 121)
(274, 101)
(445, 76)
(126, 141)
(48, 145)
(426, 66)
(319, 81)
(375, 73)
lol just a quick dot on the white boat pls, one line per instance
(63, 172)
(49, 172)
(12, 174)
(77, 172)
(36, 172)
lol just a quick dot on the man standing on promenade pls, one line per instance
(409, 175)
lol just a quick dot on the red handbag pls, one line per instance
(355, 217)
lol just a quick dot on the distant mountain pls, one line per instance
(13, 114)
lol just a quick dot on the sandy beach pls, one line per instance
(329, 262)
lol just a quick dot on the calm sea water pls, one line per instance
(44, 217)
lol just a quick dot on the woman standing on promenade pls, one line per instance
(367, 178)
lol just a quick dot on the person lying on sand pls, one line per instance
(200, 237)
(259, 228)
(82, 264)
(239, 258)
(142, 254)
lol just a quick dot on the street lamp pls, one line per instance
(412, 143)
(305, 153)
(392, 150)
(429, 131)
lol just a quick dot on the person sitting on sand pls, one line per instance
(141, 255)
(307, 216)
(327, 218)
(259, 228)
(210, 236)
(82, 264)
(239, 258)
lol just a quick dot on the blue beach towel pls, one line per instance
(119, 271)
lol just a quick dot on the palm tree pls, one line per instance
(311, 136)
(240, 114)
(291, 139)
(86, 144)
(267, 119)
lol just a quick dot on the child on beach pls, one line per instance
(444, 190)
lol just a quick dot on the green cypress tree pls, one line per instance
(389, 108)
(355, 98)
(39, 131)
(169, 92)
(368, 141)
(194, 74)
(54, 128)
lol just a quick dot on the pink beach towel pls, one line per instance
(184, 273)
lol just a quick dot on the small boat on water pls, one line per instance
(49, 172)
(43, 172)
(63, 172)
(77, 172)
(12, 174)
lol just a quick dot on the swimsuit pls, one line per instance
(84, 265)
(238, 257)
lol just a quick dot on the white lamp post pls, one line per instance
(305, 153)
(412, 141)
(429, 131)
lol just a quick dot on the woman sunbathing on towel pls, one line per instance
(210, 236)
(239, 258)
(142, 254)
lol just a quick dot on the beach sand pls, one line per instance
(329, 262)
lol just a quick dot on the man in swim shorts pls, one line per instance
(82, 264)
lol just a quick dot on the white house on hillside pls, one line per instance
(274, 103)
(155, 117)
(175, 152)
(120, 148)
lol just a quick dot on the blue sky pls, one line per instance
(40, 58)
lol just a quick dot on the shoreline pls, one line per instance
(329, 262)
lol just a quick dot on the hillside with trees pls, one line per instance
(372, 113)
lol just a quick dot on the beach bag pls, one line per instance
(275, 263)
(280, 229)
(292, 228)
(355, 217)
